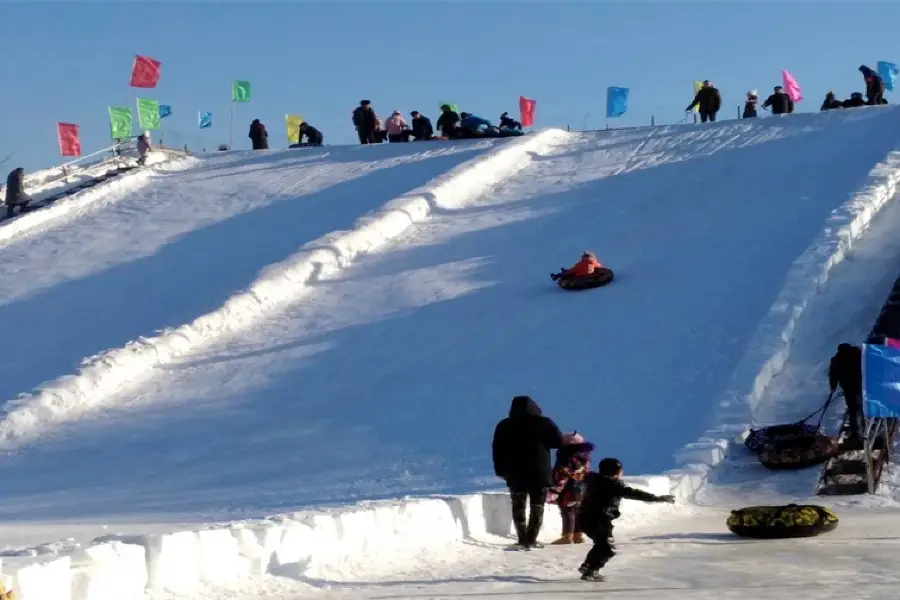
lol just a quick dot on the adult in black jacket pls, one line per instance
(521, 449)
(258, 135)
(15, 191)
(855, 101)
(874, 85)
(314, 137)
(600, 507)
(365, 120)
(831, 102)
(448, 121)
(421, 127)
(780, 102)
(708, 101)
(845, 370)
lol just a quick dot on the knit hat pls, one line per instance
(570, 439)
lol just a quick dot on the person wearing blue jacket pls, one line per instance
(471, 126)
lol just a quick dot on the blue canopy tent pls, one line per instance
(881, 396)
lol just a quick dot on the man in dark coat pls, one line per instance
(15, 191)
(448, 122)
(780, 102)
(365, 120)
(258, 135)
(874, 85)
(831, 102)
(421, 127)
(600, 507)
(521, 449)
(708, 100)
(845, 370)
(314, 137)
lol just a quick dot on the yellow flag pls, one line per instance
(698, 85)
(292, 122)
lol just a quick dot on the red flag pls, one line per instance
(69, 144)
(144, 72)
(526, 111)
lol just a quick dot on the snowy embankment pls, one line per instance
(108, 191)
(299, 546)
(109, 373)
(771, 346)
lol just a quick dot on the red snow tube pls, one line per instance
(598, 278)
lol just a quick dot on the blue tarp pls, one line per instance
(881, 381)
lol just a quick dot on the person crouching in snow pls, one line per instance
(584, 267)
(600, 507)
(573, 461)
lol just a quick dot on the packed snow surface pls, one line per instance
(388, 377)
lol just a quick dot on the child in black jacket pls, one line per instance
(600, 507)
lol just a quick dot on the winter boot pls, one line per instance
(592, 576)
(535, 521)
(578, 538)
(567, 538)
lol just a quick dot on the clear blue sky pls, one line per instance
(68, 61)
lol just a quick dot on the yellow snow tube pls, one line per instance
(778, 522)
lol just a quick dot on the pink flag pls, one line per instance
(791, 87)
(526, 111)
(891, 342)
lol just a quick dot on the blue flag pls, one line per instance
(888, 72)
(164, 111)
(205, 120)
(616, 101)
(881, 381)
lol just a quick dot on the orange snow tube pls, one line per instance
(598, 278)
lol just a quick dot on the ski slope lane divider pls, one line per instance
(772, 344)
(65, 209)
(309, 545)
(108, 373)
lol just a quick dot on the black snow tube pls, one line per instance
(598, 278)
(779, 522)
(799, 453)
(778, 434)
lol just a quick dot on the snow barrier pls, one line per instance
(772, 344)
(105, 375)
(55, 213)
(313, 545)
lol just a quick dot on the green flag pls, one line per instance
(452, 106)
(120, 122)
(148, 113)
(240, 91)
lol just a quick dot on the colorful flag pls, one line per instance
(120, 122)
(891, 342)
(165, 110)
(888, 72)
(881, 381)
(616, 102)
(526, 111)
(292, 122)
(145, 72)
(698, 85)
(148, 113)
(240, 91)
(204, 119)
(791, 87)
(67, 134)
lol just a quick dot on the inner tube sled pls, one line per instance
(799, 453)
(777, 434)
(779, 522)
(598, 278)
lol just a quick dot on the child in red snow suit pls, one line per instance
(584, 267)
(600, 507)
(573, 461)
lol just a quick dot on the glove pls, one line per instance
(668, 498)
(554, 276)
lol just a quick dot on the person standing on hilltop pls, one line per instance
(521, 450)
(708, 101)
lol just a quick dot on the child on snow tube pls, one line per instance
(573, 461)
(583, 268)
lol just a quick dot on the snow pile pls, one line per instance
(772, 344)
(301, 545)
(79, 201)
(284, 282)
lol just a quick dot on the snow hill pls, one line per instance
(254, 334)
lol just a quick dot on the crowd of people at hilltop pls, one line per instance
(708, 100)
(588, 501)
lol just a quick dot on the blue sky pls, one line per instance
(68, 61)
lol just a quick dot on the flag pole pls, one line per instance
(231, 119)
